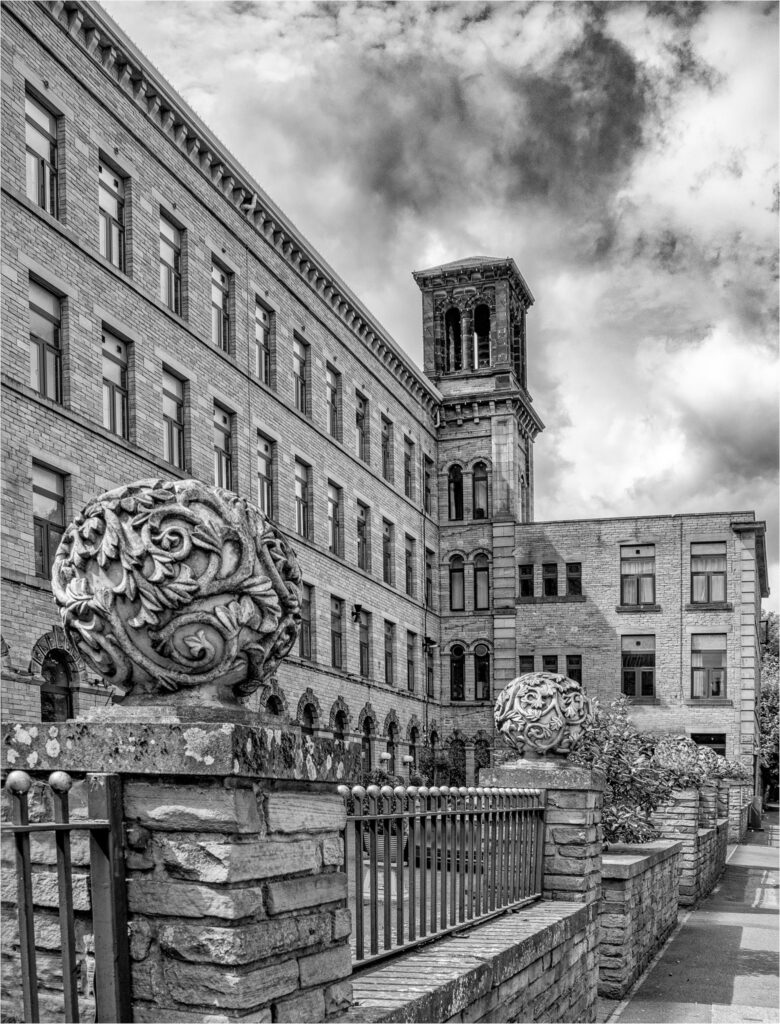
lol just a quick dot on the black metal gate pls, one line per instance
(109, 899)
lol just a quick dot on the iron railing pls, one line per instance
(423, 862)
(107, 880)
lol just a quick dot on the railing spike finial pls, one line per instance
(18, 782)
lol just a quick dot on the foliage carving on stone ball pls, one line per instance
(542, 713)
(168, 586)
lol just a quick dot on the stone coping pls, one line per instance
(543, 773)
(135, 747)
(437, 981)
(626, 860)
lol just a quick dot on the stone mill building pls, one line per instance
(163, 318)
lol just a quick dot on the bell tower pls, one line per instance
(474, 333)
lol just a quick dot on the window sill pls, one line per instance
(716, 702)
(713, 606)
(643, 700)
(635, 609)
(558, 599)
(27, 579)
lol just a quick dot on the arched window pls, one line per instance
(479, 482)
(482, 335)
(340, 726)
(365, 743)
(458, 673)
(481, 582)
(392, 730)
(414, 739)
(56, 694)
(455, 487)
(482, 671)
(433, 743)
(453, 340)
(457, 589)
(274, 705)
(308, 719)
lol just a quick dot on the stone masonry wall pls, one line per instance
(638, 910)
(679, 820)
(711, 856)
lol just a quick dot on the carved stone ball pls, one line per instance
(175, 587)
(542, 713)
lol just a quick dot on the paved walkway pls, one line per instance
(721, 965)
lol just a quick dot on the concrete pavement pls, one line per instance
(721, 965)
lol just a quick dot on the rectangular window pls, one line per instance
(361, 427)
(409, 560)
(428, 671)
(638, 665)
(411, 671)
(526, 581)
(549, 663)
(525, 664)
(223, 448)
(41, 155)
(301, 499)
(715, 740)
(363, 525)
(173, 419)
(574, 667)
(48, 517)
(389, 653)
(550, 579)
(388, 554)
(336, 632)
(334, 519)
(112, 215)
(574, 579)
(481, 582)
(265, 475)
(364, 640)
(170, 264)
(637, 574)
(45, 347)
(408, 468)
(262, 343)
(220, 307)
(301, 376)
(429, 577)
(387, 449)
(333, 388)
(708, 665)
(427, 484)
(708, 573)
(304, 636)
(115, 411)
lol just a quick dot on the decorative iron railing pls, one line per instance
(108, 896)
(423, 862)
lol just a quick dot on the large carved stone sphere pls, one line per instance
(542, 713)
(172, 585)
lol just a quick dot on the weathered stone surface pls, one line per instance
(328, 966)
(46, 890)
(181, 899)
(141, 936)
(233, 862)
(43, 849)
(332, 851)
(153, 1013)
(231, 946)
(342, 924)
(305, 812)
(207, 985)
(193, 808)
(294, 893)
(338, 996)
(305, 1006)
(542, 713)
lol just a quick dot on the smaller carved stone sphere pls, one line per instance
(542, 713)
(169, 586)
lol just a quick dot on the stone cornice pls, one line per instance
(465, 274)
(473, 407)
(106, 45)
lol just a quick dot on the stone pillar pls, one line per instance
(708, 805)
(679, 820)
(471, 768)
(234, 861)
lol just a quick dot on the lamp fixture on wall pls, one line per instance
(429, 643)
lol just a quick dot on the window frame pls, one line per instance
(479, 482)
(457, 567)
(457, 673)
(638, 578)
(223, 456)
(362, 428)
(521, 658)
(643, 673)
(364, 644)
(411, 661)
(47, 169)
(388, 552)
(574, 579)
(482, 672)
(481, 578)
(302, 484)
(263, 327)
(108, 222)
(265, 480)
(574, 664)
(114, 390)
(715, 677)
(526, 580)
(550, 579)
(173, 430)
(389, 653)
(409, 468)
(428, 470)
(455, 494)
(333, 399)
(172, 271)
(305, 631)
(50, 532)
(709, 575)
(429, 571)
(410, 557)
(44, 348)
(301, 376)
(335, 500)
(550, 663)
(362, 536)
(387, 446)
(337, 632)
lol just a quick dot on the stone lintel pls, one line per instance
(133, 747)
(550, 773)
(625, 860)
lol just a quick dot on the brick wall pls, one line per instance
(637, 912)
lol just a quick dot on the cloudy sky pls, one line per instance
(625, 154)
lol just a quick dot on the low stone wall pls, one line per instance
(638, 910)
(534, 965)
(711, 856)
(678, 820)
